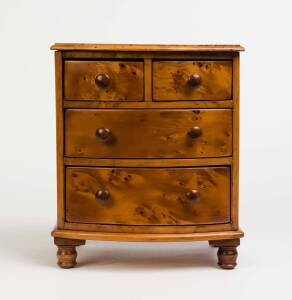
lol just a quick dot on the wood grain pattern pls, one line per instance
(148, 104)
(170, 80)
(149, 229)
(148, 133)
(59, 138)
(146, 175)
(146, 237)
(148, 196)
(154, 162)
(126, 80)
(166, 55)
(144, 47)
(235, 156)
(148, 79)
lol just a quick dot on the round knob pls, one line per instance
(194, 132)
(193, 195)
(194, 80)
(102, 195)
(103, 134)
(102, 80)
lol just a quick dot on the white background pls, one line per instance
(27, 152)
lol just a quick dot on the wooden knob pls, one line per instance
(104, 134)
(194, 80)
(102, 195)
(194, 132)
(102, 80)
(193, 195)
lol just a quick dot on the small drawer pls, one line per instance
(148, 196)
(104, 80)
(192, 80)
(153, 133)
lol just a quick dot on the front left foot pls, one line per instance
(67, 253)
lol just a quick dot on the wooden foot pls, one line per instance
(227, 253)
(67, 253)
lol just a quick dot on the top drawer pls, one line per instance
(103, 80)
(192, 80)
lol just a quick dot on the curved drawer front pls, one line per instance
(104, 80)
(196, 133)
(148, 196)
(192, 80)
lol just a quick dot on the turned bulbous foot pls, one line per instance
(67, 253)
(66, 256)
(227, 257)
(227, 252)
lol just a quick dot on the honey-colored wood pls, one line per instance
(227, 253)
(192, 80)
(144, 237)
(145, 47)
(235, 146)
(149, 104)
(67, 253)
(156, 159)
(59, 138)
(166, 55)
(148, 79)
(148, 133)
(104, 80)
(153, 229)
(148, 196)
(155, 162)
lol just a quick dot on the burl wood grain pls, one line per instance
(170, 80)
(148, 133)
(148, 196)
(126, 80)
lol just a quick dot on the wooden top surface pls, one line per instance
(144, 47)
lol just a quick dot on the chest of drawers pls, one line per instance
(147, 145)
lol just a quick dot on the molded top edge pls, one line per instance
(145, 47)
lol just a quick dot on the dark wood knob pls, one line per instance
(194, 80)
(194, 132)
(102, 195)
(102, 80)
(193, 195)
(104, 134)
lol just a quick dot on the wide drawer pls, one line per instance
(148, 196)
(127, 133)
(104, 80)
(192, 80)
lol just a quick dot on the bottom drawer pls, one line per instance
(148, 196)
